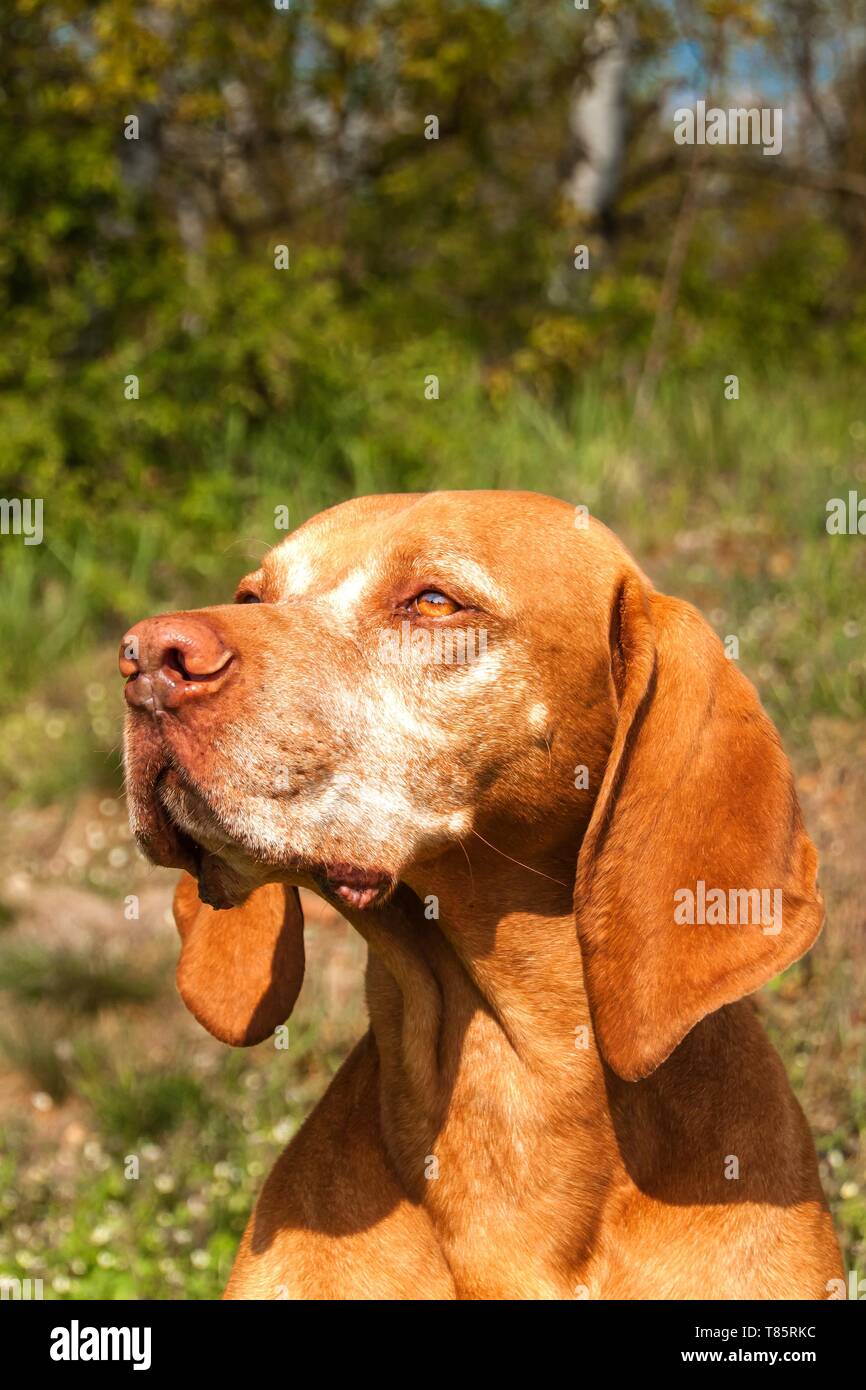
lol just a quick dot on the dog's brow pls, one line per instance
(345, 596)
(292, 571)
(469, 574)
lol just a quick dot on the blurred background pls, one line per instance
(164, 387)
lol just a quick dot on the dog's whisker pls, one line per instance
(249, 543)
(471, 872)
(519, 862)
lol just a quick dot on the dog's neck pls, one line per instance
(492, 1096)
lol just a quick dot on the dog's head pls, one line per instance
(403, 672)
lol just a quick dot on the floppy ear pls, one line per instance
(240, 970)
(697, 795)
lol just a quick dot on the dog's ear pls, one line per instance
(240, 970)
(697, 796)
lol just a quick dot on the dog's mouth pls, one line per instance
(358, 888)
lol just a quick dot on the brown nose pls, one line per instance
(173, 659)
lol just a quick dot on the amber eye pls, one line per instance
(432, 604)
(248, 598)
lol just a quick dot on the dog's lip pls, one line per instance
(218, 884)
(168, 844)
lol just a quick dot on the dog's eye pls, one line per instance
(248, 598)
(432, 604)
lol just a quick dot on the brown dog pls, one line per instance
(568, 832)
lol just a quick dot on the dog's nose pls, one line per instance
(173, 659)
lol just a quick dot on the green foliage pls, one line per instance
(155, 257)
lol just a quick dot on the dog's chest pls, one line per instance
(508, 1174)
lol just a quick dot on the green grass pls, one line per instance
(82, 981)
(152, 1203)
(138, 1106)
(29, 1045)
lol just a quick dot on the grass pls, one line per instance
(145, 1188)
(29, 1045)
(139, 1106)
(82, 982)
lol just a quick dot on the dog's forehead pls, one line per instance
(341, 549)
(490, 542)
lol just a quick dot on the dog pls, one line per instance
(565, 1091)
